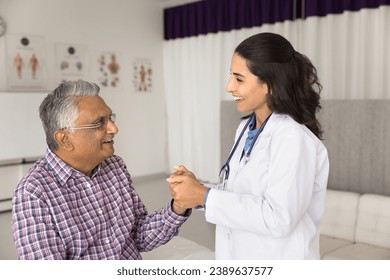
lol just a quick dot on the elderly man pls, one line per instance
(78, 201)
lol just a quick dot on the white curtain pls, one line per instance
(351, 53)
(192, 73)
(349, 50)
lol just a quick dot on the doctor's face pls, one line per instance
(250, 95)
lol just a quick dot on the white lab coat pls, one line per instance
(273, 204)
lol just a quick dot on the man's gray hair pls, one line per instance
(60, 109)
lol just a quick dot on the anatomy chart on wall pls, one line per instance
(71, 61)
(26, 69)
(142, 75)
(106, 67)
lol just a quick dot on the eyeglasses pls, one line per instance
(101, 124)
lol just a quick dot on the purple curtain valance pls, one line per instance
(325, 7)
(211, 16)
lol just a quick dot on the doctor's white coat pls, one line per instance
(274, 203)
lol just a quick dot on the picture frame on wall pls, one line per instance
(142, 75)
(107, 69)
(71, 62)
(26, 63)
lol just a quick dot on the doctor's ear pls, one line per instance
(63, 140)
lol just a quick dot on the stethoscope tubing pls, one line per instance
(226, 166)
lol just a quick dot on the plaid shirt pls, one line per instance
(60, 213)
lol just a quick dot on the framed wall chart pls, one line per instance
(26, 63)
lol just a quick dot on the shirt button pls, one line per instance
(177, 222)
(88, 185)
(107, 241)
(100, 212)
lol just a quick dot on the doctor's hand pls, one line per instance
(181, 170)
(186, 190)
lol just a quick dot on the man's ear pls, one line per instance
(63, 140)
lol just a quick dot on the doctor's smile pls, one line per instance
(238, 99)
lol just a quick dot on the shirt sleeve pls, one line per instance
(155, 229)
(34, 231)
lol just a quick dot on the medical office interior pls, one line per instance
(166, 84)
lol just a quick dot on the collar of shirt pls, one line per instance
(62, 170)
(252, 124)
(252, 131)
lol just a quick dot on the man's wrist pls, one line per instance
(179, 211)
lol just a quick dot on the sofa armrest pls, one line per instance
(373, 222)
(340, 215)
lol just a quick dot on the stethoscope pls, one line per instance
(225, 170)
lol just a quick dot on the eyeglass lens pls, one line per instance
(103, 122)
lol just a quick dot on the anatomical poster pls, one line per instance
(26, 66)
(142, 75)
(107, 69)
(71, 61)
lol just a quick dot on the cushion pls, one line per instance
(340, 215)
(373, 223)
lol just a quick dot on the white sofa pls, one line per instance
(355, 226)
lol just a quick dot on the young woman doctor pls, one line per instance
(270, 198)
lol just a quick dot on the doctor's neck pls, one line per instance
(261, 116)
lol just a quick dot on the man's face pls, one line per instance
(92, 145)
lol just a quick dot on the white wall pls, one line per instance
(133, 28)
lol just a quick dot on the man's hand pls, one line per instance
(186, 190)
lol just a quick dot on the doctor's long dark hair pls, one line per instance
(291, 78)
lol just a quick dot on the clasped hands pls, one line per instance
(185, 189)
